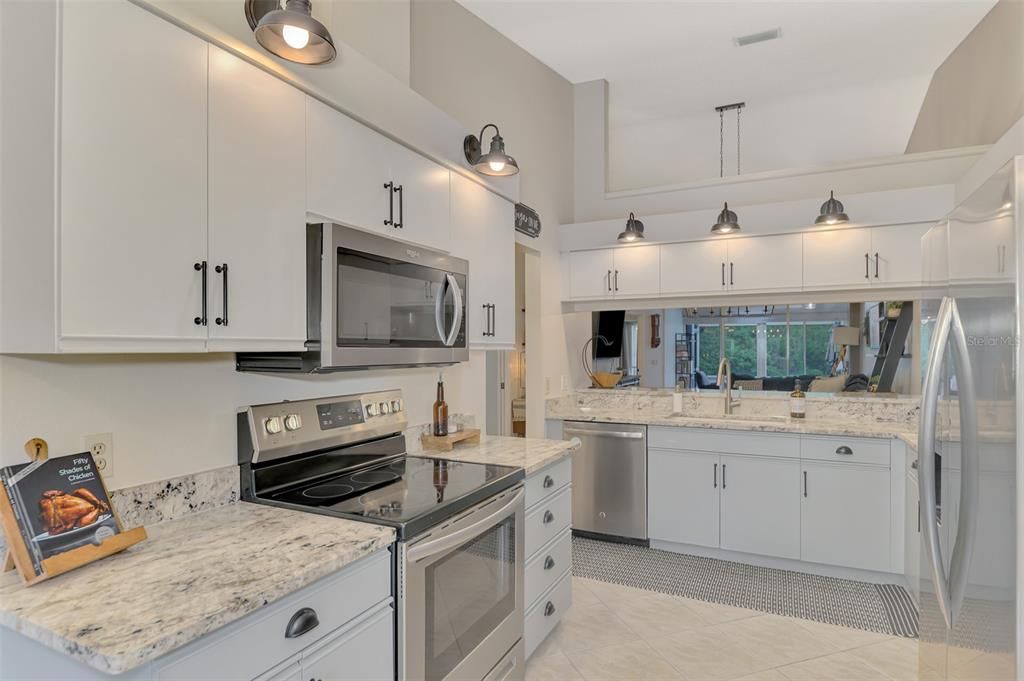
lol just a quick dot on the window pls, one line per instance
(776, 357)
(818, 348)
(708, 340)
(741, 348)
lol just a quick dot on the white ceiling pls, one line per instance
(666, 59)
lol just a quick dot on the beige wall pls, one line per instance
(478, 76)
(978, 92)
(378, 29)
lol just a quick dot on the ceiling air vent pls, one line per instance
(761, 37)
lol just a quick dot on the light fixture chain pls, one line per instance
(738, 112)
(721, 143)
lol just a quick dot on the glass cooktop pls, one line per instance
(411, 493)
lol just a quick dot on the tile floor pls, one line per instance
(620, 633)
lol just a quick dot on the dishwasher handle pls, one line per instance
(618, 434)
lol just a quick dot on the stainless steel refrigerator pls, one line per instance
(969, 452)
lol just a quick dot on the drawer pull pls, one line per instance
(303, 621)
(548, 517)
(549, 609)
(844, 450)
(549, 482)
(549, 563)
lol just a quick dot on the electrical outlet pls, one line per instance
(102, 447)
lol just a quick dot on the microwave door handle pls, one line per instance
(439, 309)
(457, 300)
(447, 541)
(926, 457)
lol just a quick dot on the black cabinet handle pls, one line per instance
(389, 188)
(616, 280)
(401, 210)
(549, 609)
(876, 265)
(302, 622)
(716, 476)
(723, 275)
(730, 274)
(548, 517)
(723, 476)
(487, 320)
(494, 319)
(549, 482)
(223, 270)
(201, 267)
(609, 281)
(549, 563)
(867, 266)
(844, 450)
(805, 483)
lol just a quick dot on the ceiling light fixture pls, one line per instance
(495, 162)
(727, 221)
(832, 212)
(290, 31)
(634, 230)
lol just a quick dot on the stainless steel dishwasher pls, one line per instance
(609, 480)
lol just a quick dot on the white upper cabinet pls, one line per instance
(636, 271)
(982, 251)
(694, 267)
(483, 230)
(768, 263)
(348, 170)
(896, 255)
(133, 179)
(590, 273)
(359, 178)
(839, 258)
(257, 213)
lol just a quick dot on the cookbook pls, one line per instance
(58, 505)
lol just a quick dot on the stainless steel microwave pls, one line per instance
(372, 301)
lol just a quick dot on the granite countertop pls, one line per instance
(754, 422)
(192, 576)
(530, 454)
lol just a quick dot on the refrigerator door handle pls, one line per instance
(967, 515)
(926, 457)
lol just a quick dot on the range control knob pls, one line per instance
(371, 409)
(292, 422)
(385, 408)
(272, 425)
(396, 406)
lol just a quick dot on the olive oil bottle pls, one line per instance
(440, 409)
(797, 403)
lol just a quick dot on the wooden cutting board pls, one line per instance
(446, 443)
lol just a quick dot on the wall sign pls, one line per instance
(527, 220)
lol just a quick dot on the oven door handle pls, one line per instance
(442, 544)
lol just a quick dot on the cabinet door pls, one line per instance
(770, 263)
(845, 515)
(422, 203)
(838, 258)
(257, 209)
(896, 255)
(483, 231)
(590, 273)
(682, 497)
(982, 251)
(761, 506)
(133, 180)
(912, 536)
(347, 166)
(695, 267)
(636, 271)
(292, 671)
(362, 653)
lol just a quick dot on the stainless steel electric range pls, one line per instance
(460, 551)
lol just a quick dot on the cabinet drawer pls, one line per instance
(547, 565)
(362, 652)
(845, 449)
(258, 642)
(724, 441)
(546, 612)
(547, 519)
(544, 483)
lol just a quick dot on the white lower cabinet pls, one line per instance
(362, 652)
(548, 573)
(760, 507)
(683, 496)
(845, 515)
(912, 535)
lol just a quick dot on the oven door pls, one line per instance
(461, 604)
(390, 303)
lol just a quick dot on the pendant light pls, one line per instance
(832, 212)
(634, 230)
(290, 32)
(727, 221)
(495, 162)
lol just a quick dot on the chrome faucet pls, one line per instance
(725, 371)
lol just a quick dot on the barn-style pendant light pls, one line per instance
(290, 32)
(634, 230)
(832, 212)
(727, 221)
(495, 162)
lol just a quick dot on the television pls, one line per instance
(609, 325)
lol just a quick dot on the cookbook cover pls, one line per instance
(59, 504)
